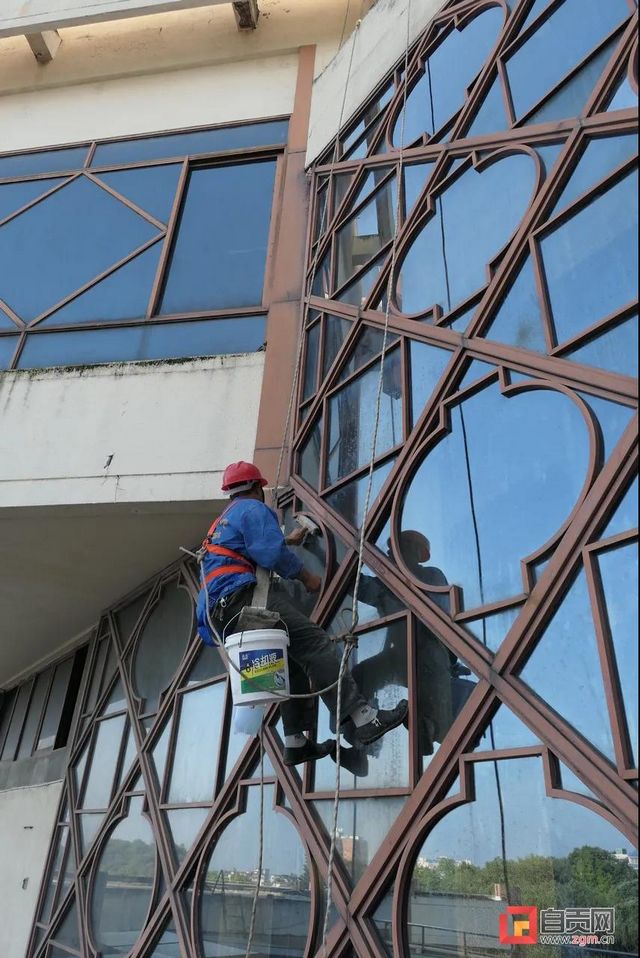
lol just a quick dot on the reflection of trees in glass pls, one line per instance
(587, 877)
(124, 859)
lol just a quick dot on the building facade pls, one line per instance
(388, 251)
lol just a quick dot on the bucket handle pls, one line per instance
(236, 616)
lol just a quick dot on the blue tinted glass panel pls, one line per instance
(364, 235)
(600, 157)
(534, 13)
(66, 240)
(13, 196)
(615, 350)
(591, 262)
(220, 251)
(351, 499)
(561, 42)
(336, 331)
(356, 293)
(160, 341)
(624, 98)
(427, 366)
(51, 161)
(472, 221)
(518, 321)
(191, 144)
(571, 99)
(567, 655)
(152, 188)
(123, 295)
(613, 418)
(491, 115)
(549, 154)
(449, 71)
(6, 323)
(415, 178)
(7, 349)
(625, 516)
(619, 573)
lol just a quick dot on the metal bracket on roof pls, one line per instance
(246, 14)
(44, 45)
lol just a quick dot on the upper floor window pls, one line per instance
(131, 249)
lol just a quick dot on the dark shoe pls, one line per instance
(354, 760)
(385, 720)
(310, 752)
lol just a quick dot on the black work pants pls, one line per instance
(314, 661)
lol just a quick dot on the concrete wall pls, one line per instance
(170, 427)
(378, 43)
(27, 817)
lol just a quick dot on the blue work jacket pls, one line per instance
(249, 530)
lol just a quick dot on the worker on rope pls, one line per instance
(247, 535)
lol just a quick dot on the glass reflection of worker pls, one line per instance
(438, 669)
(245, 536)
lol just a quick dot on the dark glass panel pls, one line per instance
(427, 366)
(619, 574)
(67, 932)
(61, 837)
(490, 116)
(108, 738)
(566, 657)
(123, 886)
(160, 751)
(449, 70)
(17, 720)
(363, 236)
(368, 344)
(152, 188)
(127, 758)
(321, 268)
(571, 99)
(6, 707)
(379, 667)
(363, 824)
(193, 774)
(27, 741)
(13, 196)
(161, 645)
(310, 457)
(79, 767)
(371, 112)
(479, 544)
(116, 700)
(336, 330)
(615, 350)
(351, 419)
(374, 600)
(208, 665)
(320, 223)
(153, 341)
(191, 144)
(122, 295)
(96, 676)
(49, 161)
(415, 178)
(512, 845)
(74, 235)
(185, 823)
(311, 362)
(219, 254)
(53, 712)
(89, 826)
(558, 45)
(518, 321)
(127, 617)
(600, 157)
(492, 629)
(284, 901)
(357, 293)
(7, 349)
(626, 515)
(168, 945)
(447, 262)
(350, 499)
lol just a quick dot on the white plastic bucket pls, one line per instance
(261, 656)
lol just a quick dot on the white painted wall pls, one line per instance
(377, 44)
(170, 427)
(28, 16)
(27, 817)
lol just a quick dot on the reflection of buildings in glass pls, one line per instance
(354, 851)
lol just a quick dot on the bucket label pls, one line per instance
(262, 670)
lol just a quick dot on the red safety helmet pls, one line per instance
(239, 474)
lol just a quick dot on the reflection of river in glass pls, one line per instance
(548, 853)
(284, 903)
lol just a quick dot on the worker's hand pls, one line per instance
(297, 537)
(311, 582)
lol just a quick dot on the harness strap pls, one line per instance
(224, 569)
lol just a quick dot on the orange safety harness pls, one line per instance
(240, 563)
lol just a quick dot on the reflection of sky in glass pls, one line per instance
(527, 457)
